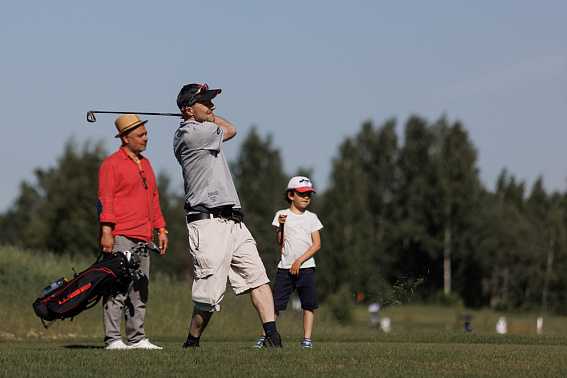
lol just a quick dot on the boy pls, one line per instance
(297, 232)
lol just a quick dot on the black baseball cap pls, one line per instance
(192, 93)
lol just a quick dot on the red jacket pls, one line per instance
(126, 199)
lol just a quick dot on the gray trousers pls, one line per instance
(131, 302)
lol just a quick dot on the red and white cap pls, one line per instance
(300, 183)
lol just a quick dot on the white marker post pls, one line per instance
(539, 325)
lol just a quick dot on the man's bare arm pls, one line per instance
(229, 130)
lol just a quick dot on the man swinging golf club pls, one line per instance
(221, 246)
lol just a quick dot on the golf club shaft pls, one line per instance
(160, 114)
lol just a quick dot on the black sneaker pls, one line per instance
(274, 341)
(190, 344)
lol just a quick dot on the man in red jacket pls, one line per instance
(129, 212)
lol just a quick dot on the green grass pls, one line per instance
(424, 340)
(395, 357)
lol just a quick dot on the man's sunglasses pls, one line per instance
(143, 176)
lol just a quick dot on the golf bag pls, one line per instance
(107, 276)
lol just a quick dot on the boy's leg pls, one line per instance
(307, 290)
(308, 318)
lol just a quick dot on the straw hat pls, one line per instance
(127, 122)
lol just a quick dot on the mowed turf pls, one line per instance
(231, 359)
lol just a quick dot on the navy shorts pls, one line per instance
(305, 284)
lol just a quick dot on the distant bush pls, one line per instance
(442, 299)
(341, 305)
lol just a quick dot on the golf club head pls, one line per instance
(90, 117)
(154, 248)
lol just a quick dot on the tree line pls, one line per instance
(403, 221)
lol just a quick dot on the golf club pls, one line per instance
(91, 118)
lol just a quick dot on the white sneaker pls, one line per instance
(118, 344)
(144, 344)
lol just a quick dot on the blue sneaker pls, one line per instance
(260, 343)
(306, 344)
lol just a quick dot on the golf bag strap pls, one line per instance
(93, 302)
(46, 326)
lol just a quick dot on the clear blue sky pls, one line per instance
(309, 73)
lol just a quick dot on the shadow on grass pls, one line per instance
(83, 347)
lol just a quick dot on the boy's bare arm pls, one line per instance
(229, 130)
(280, 235)
(316, 237)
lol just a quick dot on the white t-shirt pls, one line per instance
(297, 231)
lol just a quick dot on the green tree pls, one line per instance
(458, 178)
(23, 225)
(557, 294)
(358, 213)
(378, 154)
(437, 193)
(59, 212)
(546, 219)
(348, 229)
(506, 245)
(417, 202)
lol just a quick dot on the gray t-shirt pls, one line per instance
(208, 183)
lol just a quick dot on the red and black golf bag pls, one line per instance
(107, 276)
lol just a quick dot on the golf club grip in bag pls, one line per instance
(85, 290)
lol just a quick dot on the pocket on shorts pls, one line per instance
(194, 238)
(202, 273)
(202, 266)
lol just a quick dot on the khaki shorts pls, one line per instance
(222, 249)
